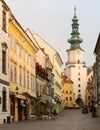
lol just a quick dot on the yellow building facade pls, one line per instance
(90, 88)
(21, 72)
(89, 95)
(68, 97)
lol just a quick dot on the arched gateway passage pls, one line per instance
(79, 101)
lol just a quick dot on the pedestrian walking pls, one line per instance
(55, 113)
(93, 111)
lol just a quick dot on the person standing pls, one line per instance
(93, 111)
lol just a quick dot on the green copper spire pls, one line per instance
(75, 40)
(74, 10)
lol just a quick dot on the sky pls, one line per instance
(52, 19)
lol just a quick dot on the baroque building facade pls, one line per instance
(97, 74)
(4, 62)
(22, 51)
(30, 71)
(89, 88)
(56, 61)
(68, 96)
(44, 79)
(76, 69)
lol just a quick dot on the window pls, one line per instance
(66, 98)
(88, 97)
(24, 79)
(78, 85)
(78, 67)
(28, 80)
(79, 90)
(66, 92)
(3, 62)
(4, 24)
(78, 73)
(11, 41)
(29, 59)
(78, 61)
(20, 51)
(70, 92)
(52, 78)
(32, 84)
(4, 49)
(20, 77)
(11, 73)
(24, 55)
(70, 98)
(0, 100)
(15, 74)
(32, 61)
(4, 100)
(78, 79)
(14, 44)
(90, 93)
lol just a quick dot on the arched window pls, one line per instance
(4, 100)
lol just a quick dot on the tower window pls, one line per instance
(79, 79)
(78, 61)
(78, 73)
(78, 67)
(79, 85)
(79, 90)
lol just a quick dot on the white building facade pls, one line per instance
(76, 69)
(57, 63)
(4, 80)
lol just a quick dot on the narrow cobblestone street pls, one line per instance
(67, 120)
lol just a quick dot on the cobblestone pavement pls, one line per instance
(66, 120)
